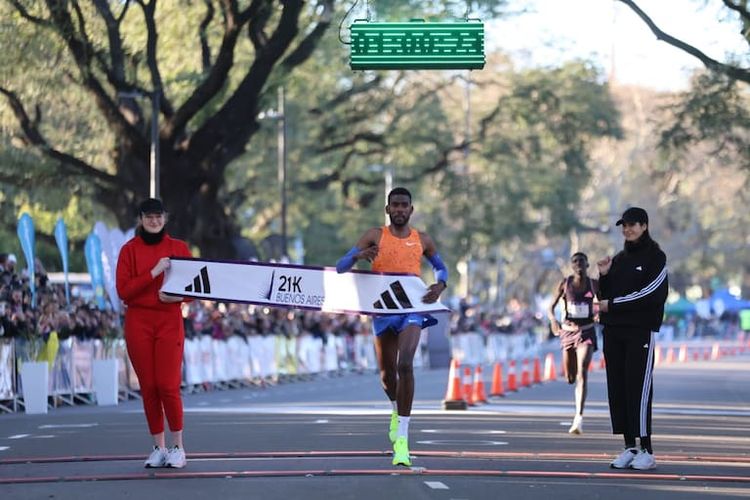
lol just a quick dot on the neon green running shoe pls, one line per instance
(393, 430)
(401, 452)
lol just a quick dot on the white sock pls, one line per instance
(403, 427)
(395, 406)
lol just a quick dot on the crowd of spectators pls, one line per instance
(82, 319)
(52, 312)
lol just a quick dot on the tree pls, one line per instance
(732, 71)
(208, 106)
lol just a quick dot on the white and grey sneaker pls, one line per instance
(577, 427)
(624, 459)
(176, 458)
(158, 458)
(643, 461)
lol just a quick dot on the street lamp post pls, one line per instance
(154, 170)
(388, 178)
(281, 159)
(279, 114)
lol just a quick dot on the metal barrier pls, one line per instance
(208, 364)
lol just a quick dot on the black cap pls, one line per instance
(632, 215)
(151, 206)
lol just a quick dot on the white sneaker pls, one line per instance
(643, 461)
(158, 458)
(577, 427)
(624, 459)
(176, 458)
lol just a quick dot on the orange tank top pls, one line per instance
(399, 255)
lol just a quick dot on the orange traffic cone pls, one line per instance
(512, 385)
(497, 380)
(479, 395)
(682, 356)
(525, 378)
(591, 367)
(537, 374)
(657, 356)
(550, 373)
(670, 356)
(468, 396)
(453, 397)
(715, 352)
(602, 362)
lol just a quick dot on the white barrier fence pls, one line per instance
(208, 362)
(258, 359)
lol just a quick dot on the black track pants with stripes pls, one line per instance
(629, 357)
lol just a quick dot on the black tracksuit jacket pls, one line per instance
(636, 287)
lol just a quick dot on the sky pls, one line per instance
(607, 30)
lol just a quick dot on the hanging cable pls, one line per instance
(347, 15)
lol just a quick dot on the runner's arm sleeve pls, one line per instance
(347, 261)
(438, 267)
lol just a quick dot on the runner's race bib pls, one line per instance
(579, 310)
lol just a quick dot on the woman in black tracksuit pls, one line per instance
(633, 289)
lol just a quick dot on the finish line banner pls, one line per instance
(299, 287)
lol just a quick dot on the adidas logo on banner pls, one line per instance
(387, 301)
(200, 283)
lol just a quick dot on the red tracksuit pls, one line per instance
(154, 331)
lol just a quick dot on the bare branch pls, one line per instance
(124, 11)
(258, 19)
(742, 11)
(306, 46)
(205, 47)
(216, 79)
(35, 138)
(222, 137)
(347, 95)
(151, 60)
(116, 54)
(362, 136)
(83, 54)
(26, 15)
(712, 64)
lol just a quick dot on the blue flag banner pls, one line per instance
(26, 235)
(93, 251)
(61, 238)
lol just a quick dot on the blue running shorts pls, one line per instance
(398, 322)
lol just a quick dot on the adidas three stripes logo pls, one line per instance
(386, 299)
(200, 282)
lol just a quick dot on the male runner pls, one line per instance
(398, 248)
(577, 333)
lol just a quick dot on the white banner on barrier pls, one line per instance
(300, 287)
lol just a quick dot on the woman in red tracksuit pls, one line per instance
(154, 329)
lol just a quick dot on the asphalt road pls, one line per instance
(327, 438)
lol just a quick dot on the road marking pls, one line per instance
(460, 431)
(469, 442)
(19, 436)
(3, 448)
(327, 472)
(321, 421)
(436, 485)
(67, 426)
